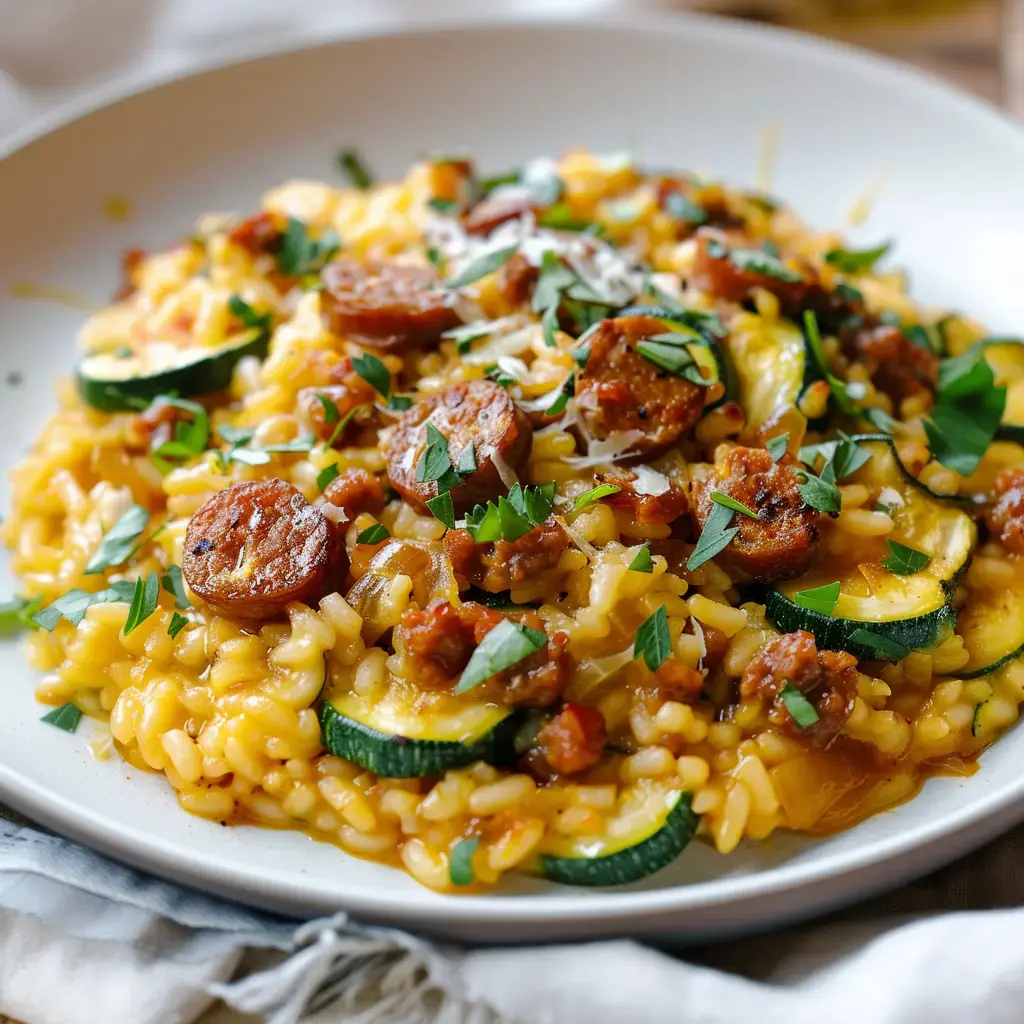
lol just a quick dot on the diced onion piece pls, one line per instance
(577, 538)
(505, 471)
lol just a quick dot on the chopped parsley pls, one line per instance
(849, 293)
(756, 261)
(482, 265)
(904, 560)
(561, 218)
(720, 498)
(856, 261)
(300, 255)
(66, 717)
(144, 602)
(353, 168)
(512, 517)
(443, 509)
(653, 642)
(399, 403)
(75, 603)
(331, 414)
(447, 207)
(373, 534)
(777, 446)
(508, 643)
(175, 586)
(672, 352)
(819, 599)
(885, 648)
(237, 435)
(567, 390)
(249, 317)
(374, 372)
(677, 205)
(460, 863)
(436, 463)
(642, 561)
(801, 710)
(714, 538)
(467, 461)
(814, 342)
(16, 615)
(820, 494)
(326, 475)
(177, 624)
(190, 438)
(594, 494)
(119, 541)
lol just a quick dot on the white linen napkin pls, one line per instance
(84, 940)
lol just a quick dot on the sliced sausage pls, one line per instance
(347, 391)
(782, 541)
(478, 413)
(385, 306)
(1005, 518)
(516, 281)
(504, 564)
(644, 509)
(496, 209)
(828, 679)
(619, 389)
(255, 547)
(355, 490)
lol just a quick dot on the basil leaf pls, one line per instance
(483, 524)
(352, 167)
(175, 586)
(442, 509)
(16, 615)
(75, 603)
(714, 538)
(777, 446)
(373, 534)
(677, 205)
(856, 261)
(642, 561)
(506, 644)
(119, 541)
(534, 501)
(513, 523)
(331, 414)
(652, 641)
(326, 475)
(888, 649)
(460, 863)
(374, 372)
(299, 254)
(845, 459)
(719, 498)
(435, 461)
(144, 602)
(177, 624)
(799, 707)
(66, 717)
(594, 494)
(819, 493)
(484, 264)
(904, 560)
(819, 599)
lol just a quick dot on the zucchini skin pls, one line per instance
(989, 669)
(834, 634)
(202, 377)
(633, 863)
(396, 757)
(959, 499)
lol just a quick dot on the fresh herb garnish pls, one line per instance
(399, 403)
(594, 494)
(883, 646)
(652, 641)
(642, 561)
(175, 586)
(819, 599)
(777, 446)
(756, 261)
(904, 560)
(443, 509)
(719, 498)
(533, 501)
(567, 390)
(482, 265)
(373, 534)
(845, 460)
(435, 461)
(177, 624)
(856, 261)
(483, 524)
(460, 863)
(16, 615)
(75, 603)
(374, 372)
(237, 435)
(467, 461)
(561, 218)
(817, 347)
(144, 602)
(66, 717)
(353, 168)
(818, 493)
(506, 644)
(299, 254)
(671, 352)
(512, 517)
(714, 538)
(447, 207)
(119, 541)
(849, 293)
(434, 255)
(326, 475)
(801, 710)
(250, 318)
(190, 439)
(677, 205)
(331, 414)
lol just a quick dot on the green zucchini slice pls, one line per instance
(131, 378)
(1006, 357)
(910, 611)
(991, 623)
(396, 737)
(653, 825)
(770, 364)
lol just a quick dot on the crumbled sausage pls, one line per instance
(895, 364)
(386, 306)
(439, 642)
(673, 681)
(255, 547)
(347, 393)
(258, 234)
(619, 389)
(478, 413)
(150, 429)
(574, 739)
(355, 490)
(645, 509)
(503, 564)
(1005, 518)
(782, 541)
(828, 679)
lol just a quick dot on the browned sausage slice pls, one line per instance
(782, 541)
(477, 412)
(620, 390)
(495, 210)
(255, 547)
(385, 306)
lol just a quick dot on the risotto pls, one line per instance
(540, 522)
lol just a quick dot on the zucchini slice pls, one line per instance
(770, 364)
(397, 738)
(1006, 357)
(911, 611)
(991, 623)
(653, 825)
(130, 379)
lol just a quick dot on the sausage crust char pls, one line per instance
(1006, 517)
(619, 389)
(477, 412)
(782, 541)
(502, 564)
(386, 306)
(257, 546)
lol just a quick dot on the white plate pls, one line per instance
(690, 92)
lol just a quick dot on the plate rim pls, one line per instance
(963, 830)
